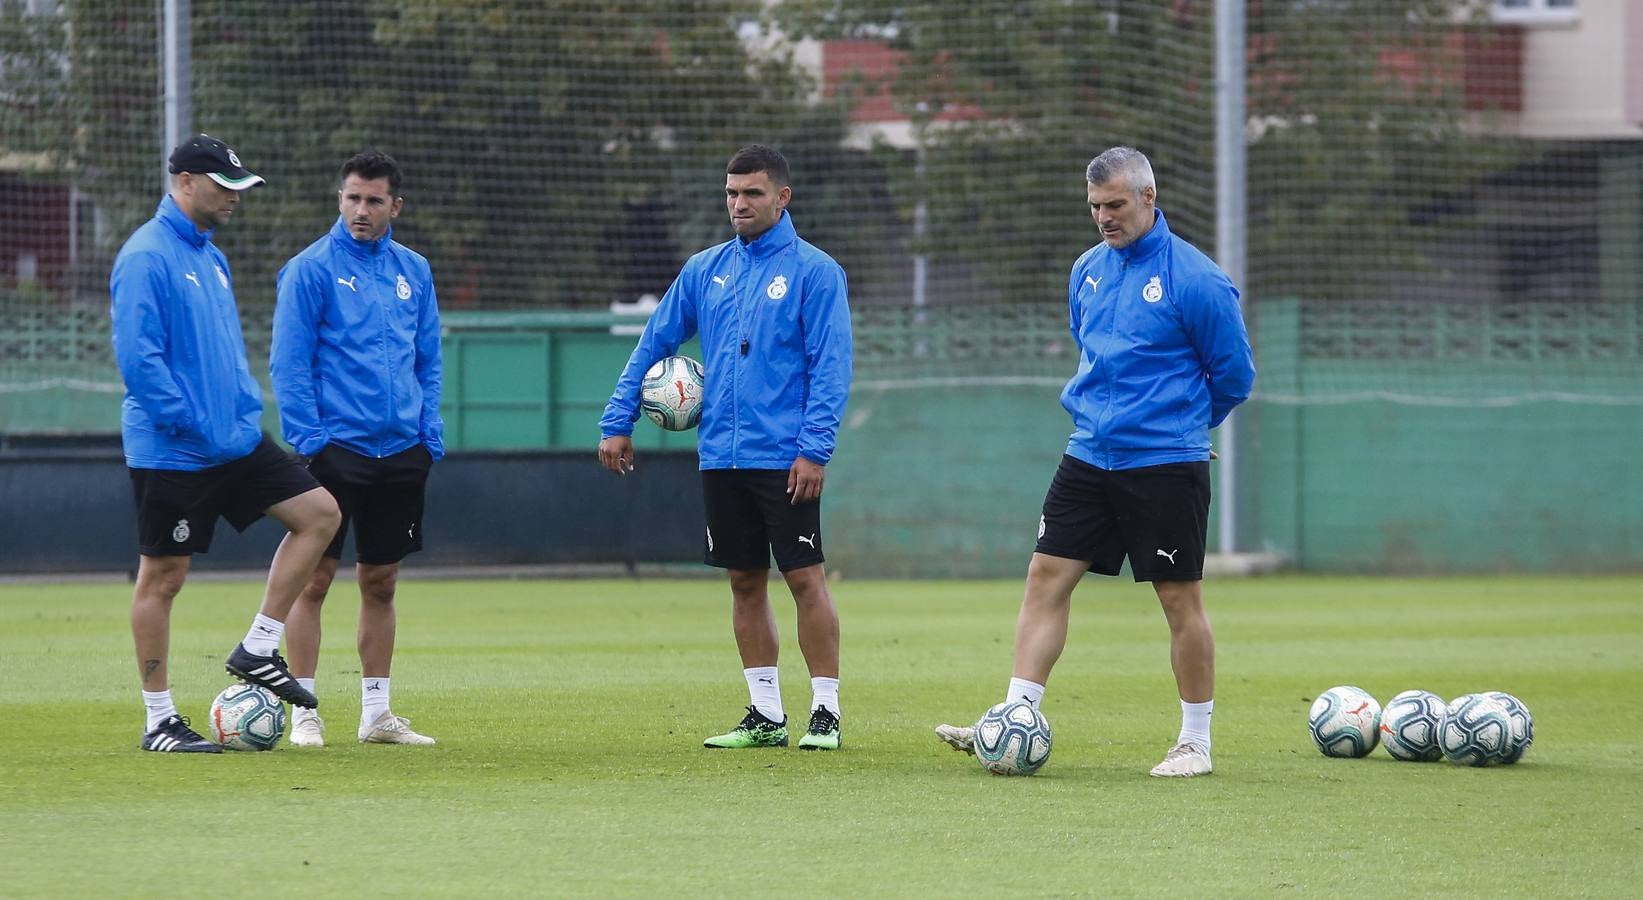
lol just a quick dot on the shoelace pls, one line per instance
(1180, 750)
(822, 721)
(755, 721)
(169, 727)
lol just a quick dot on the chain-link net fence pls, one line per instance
(1408, 245)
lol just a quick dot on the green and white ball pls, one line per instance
(1012, 738)
(1486, 729)
(1521, 732)
(1345, 721)
(1410, 724)
(671, 394)
(247, 717)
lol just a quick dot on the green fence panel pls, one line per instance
(539, 380)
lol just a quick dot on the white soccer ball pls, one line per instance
(671, 394)
(1522, 731)
(247, 717)
(1345, 721)
(1410, 725)
(1012, 738)
(1486, 729)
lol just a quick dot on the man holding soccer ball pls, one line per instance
(1163, 359)
(774, 319)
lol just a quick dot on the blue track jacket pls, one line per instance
(356, 358)
(775, 324)
(1163, 355)
(190, 400)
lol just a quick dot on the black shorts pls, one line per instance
(1158, 516)
(177, 510)
(750, 517)
(383, 499)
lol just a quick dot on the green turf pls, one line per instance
(570, 716)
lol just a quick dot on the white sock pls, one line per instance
(765, 692)
(1195, 723)
(825, 692)
(1022, 689)
(307, 683)
(159, 707)
(373, 700)
(264, 637)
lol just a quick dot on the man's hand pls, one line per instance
(804, 481)
(616, 453)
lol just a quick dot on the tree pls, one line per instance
(1356, 114)
(538, 138)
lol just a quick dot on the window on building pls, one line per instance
(1536, 10)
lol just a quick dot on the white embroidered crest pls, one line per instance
(1154, 291)
(181, 532)
(402, 288)
(778, 288)
(222, 277)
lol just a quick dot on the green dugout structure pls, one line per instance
(1383, 437)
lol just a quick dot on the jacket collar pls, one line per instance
(779, 237)
(1149, 243)
(342, 237)
(178, 221)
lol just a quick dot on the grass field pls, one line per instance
(570, 716)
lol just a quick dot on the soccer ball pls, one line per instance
(1486, 729)
(247, 717)
(1345, 721)
(1012, 738)
(1410, 725)
(1522, 731)
(671, 394)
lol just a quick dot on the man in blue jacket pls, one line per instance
(1163, 359)
(190, 428)
(775, 324)
(356, 368)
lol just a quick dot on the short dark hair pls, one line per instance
(759, 158)
(371, 165)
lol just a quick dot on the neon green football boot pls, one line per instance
(754, 731)
(823, 733)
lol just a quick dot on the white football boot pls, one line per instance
(958, 737)
(1184, 761)
(307, 728)
(391, 729)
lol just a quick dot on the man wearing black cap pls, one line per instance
(193, 444)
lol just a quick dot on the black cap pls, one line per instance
(203, 154)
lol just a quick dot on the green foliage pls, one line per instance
(548, 147)
(536, 137)
(570, 716)
(1362, 138)
(78, 89)
(1009, 102)
(1357, 120)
